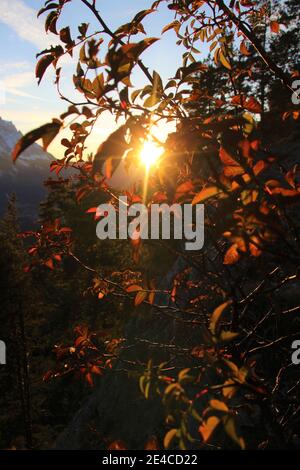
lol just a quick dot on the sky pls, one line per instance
(22, 36)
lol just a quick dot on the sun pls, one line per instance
(150, 153)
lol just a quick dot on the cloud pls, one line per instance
(15, 83)
(23, 21)
(24, 65)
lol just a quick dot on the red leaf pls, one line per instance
(274, 25)
(253, 105)
(49, 263)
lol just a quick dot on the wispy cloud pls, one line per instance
(21, 65)
(23, 21)
(17, 83)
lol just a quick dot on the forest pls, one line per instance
(141, 343)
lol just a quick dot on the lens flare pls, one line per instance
(150, 153)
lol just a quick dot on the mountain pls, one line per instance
(25, 178)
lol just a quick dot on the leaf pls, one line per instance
(229, 390)
(231, 166)
(50, 23)
(174, 25)
(50, 6)
(49, 263)
(152, 100)
(216, 316)
(254, 248)
(183, 374)
(169, 437)
(243, 49)
(42, 66)
(218, 405)
(206, 193)
(183, 189)
(253, 105)
(227, 336)
(134, 288)
(232, 255)
(47, 132)
(290, 177)
(117, 445)
(274, 25)
(259, 167)
(140, 297)
(151, 297)
(230, 429)
(152, 443)
(224, 61)
(207, 429)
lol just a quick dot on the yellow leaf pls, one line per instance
(215, 318)
(207, 429)
(183, 374)
(224, 61)
(229, 391)
(227, 336)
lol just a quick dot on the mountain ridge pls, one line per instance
(25, 177)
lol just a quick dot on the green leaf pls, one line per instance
(230, 429)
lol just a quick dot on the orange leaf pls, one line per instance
(259, 167)
(152, 444)
(133, 288)
(140, 297)
(244, 49)
(183, 189)
(206, 193)
(117, 445)
(232, 255)
(207, 429)
(254, 247)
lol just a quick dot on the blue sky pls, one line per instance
(22, 35)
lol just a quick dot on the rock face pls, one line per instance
(26, 177)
